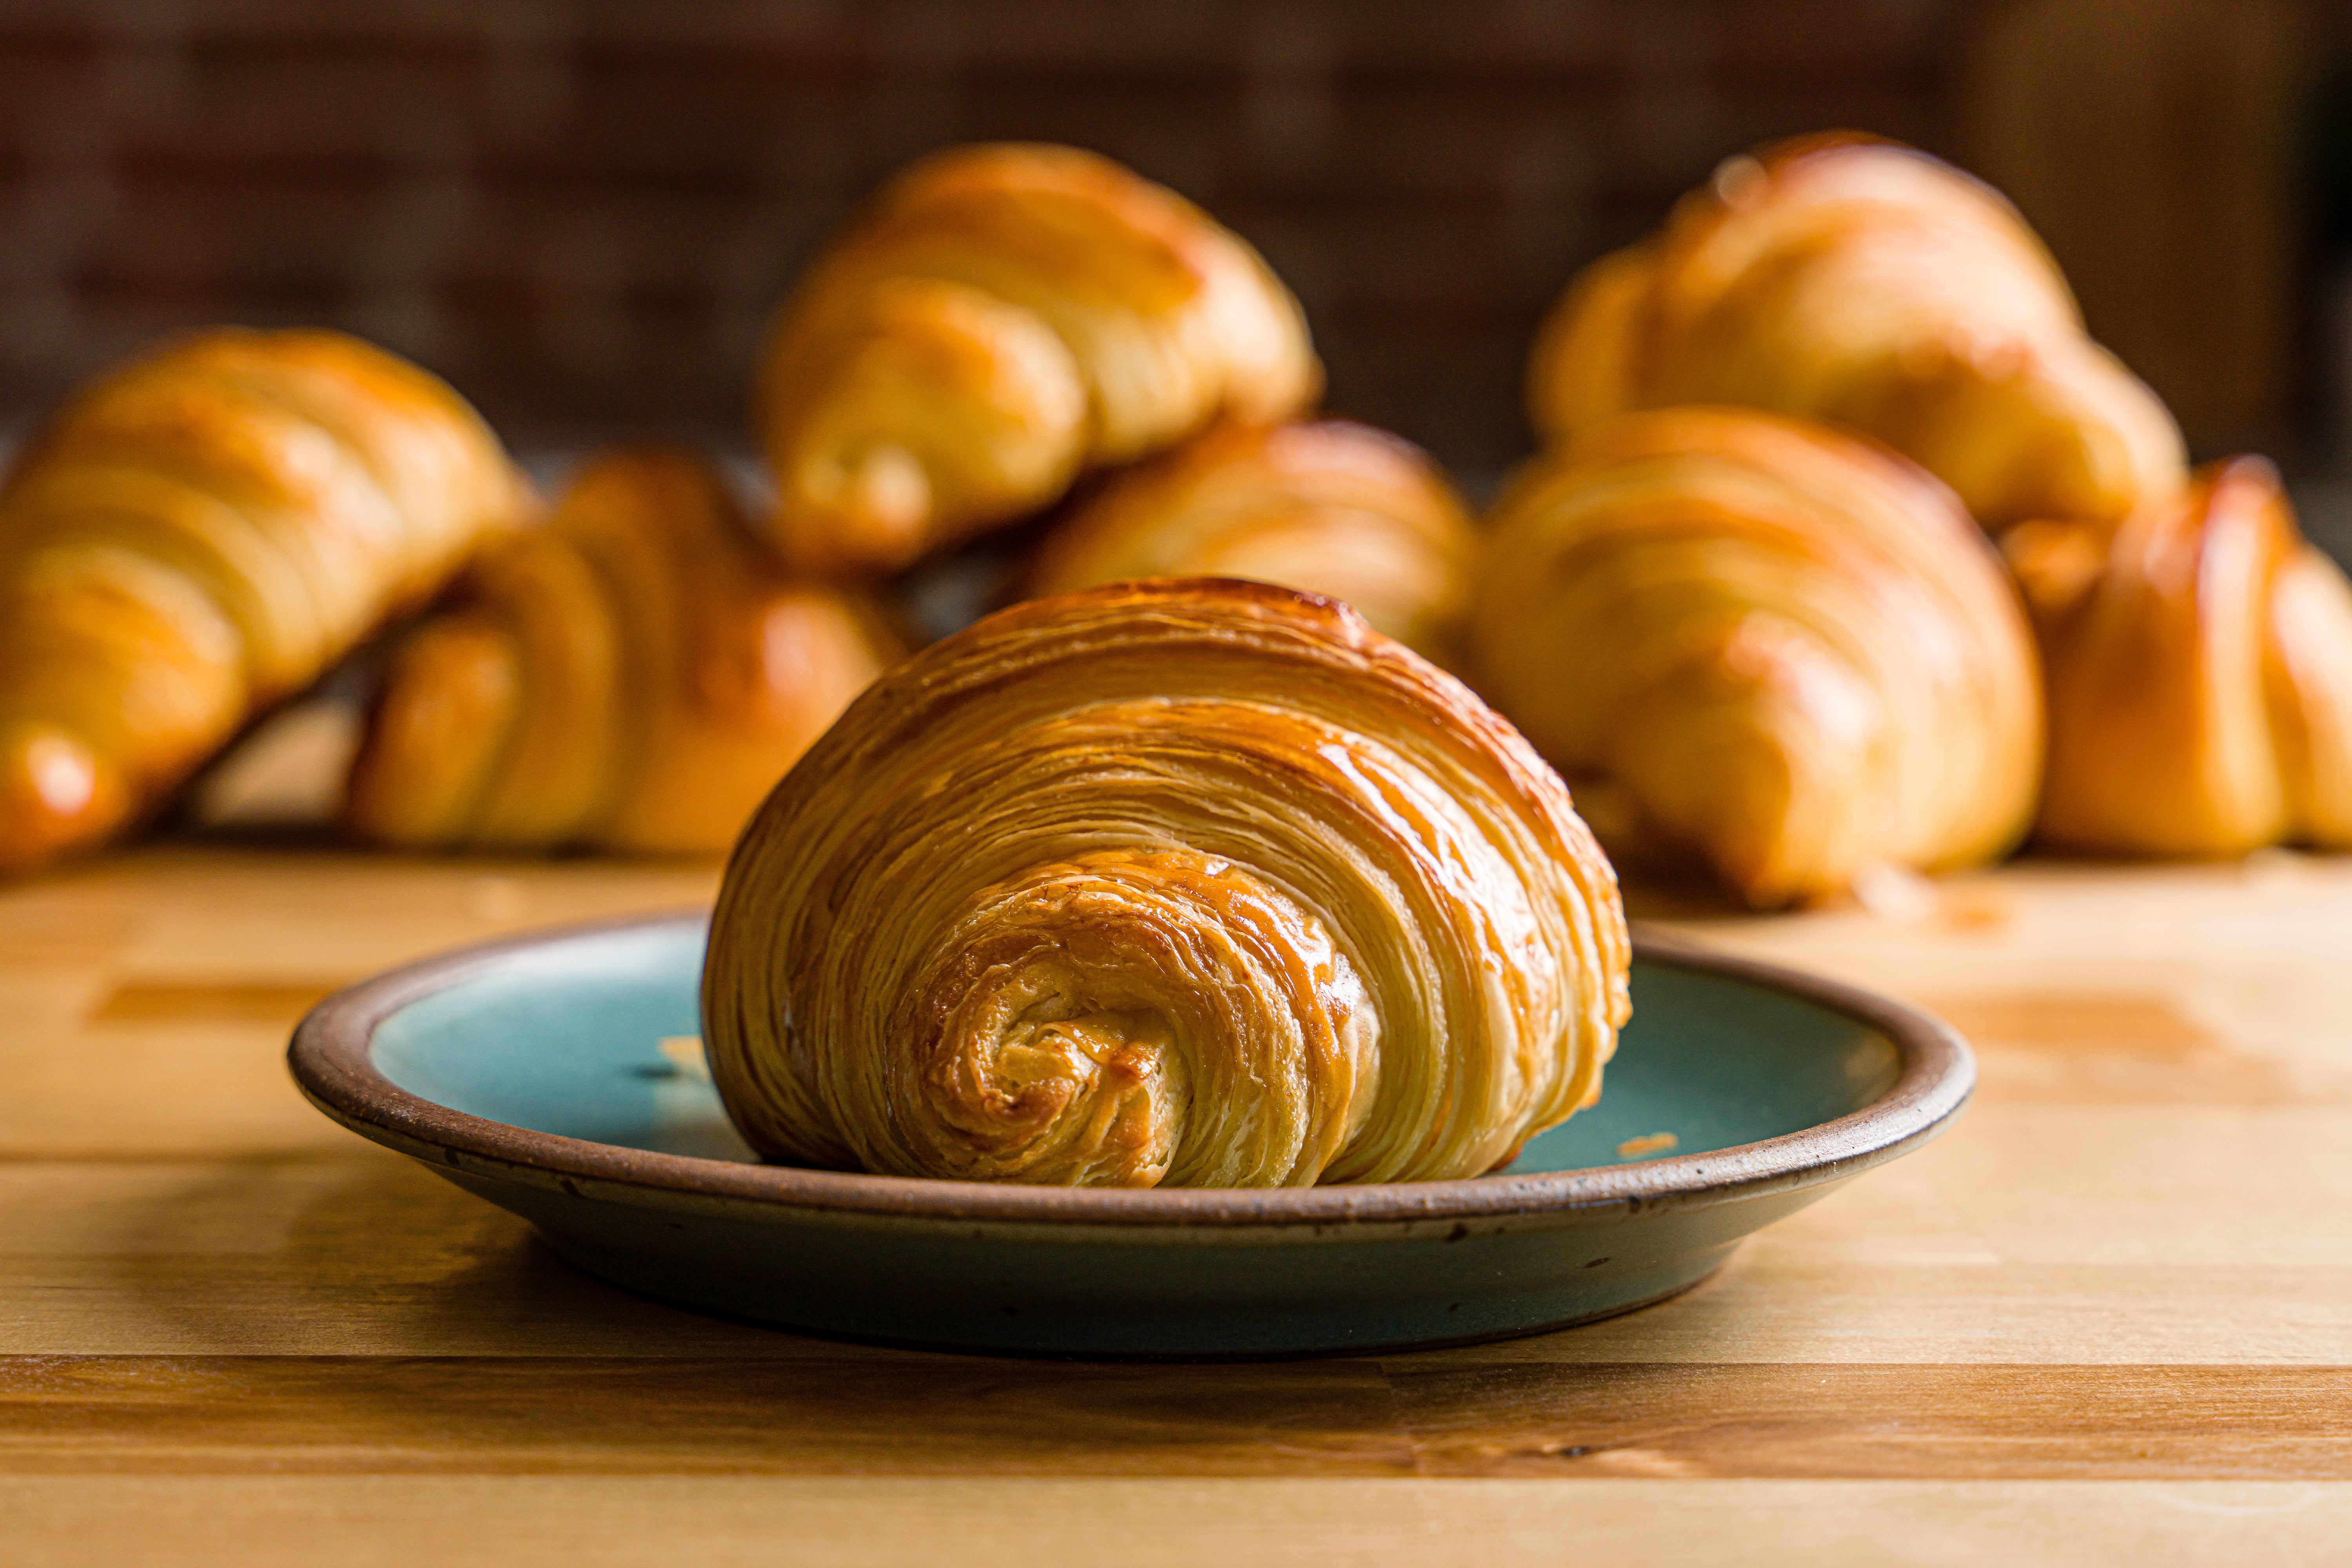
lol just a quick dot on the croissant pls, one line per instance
(1778, 650)
(1177, 882)
(997, 321)
(200, 533)
(634, 677)
(1332, 507)
(2200, 673)
(1844, 278)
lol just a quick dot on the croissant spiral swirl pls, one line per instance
(1185, 883)
(636, 675)
(1329, 507)
(200, 533)
(1859, 282)
(999, 319)
(2200, 673)
(1779, 649)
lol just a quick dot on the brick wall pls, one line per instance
(581, 211)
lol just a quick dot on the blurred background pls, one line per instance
(581, 213)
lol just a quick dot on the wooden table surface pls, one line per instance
(2107, 1318)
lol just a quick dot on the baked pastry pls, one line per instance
(1185, 883)
(1778, 649)
(634, 675)
(2200, 674)
(1332, 507)
(998, 320)
(1858, 281)
(200, 533)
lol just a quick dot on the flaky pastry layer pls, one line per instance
(2200, 673)
(634, 675)
(1781, 650)
(1330, 508)
(200, 532)
(1845, 278)
(1179, 883)
(997, 321)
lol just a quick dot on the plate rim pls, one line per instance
(330, 1057)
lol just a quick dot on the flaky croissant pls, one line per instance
(1330, 508)
(200, 533)
(1782, 651)
(634, 675)
(1862, 282)
(999, 319)
(2200, 673)
(1186, 883)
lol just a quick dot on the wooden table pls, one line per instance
(2108, 1319)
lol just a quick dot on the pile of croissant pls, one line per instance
(1004, 333)
(1206, 861)
(1746, 589)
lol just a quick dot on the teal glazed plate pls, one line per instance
(559, 1077)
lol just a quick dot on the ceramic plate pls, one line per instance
(559, 1077)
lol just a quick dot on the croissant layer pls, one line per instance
(200, 533)
(999, 319)
(1844, 278)
(2200, 673)
(636, 675)
(1330, 508)
(1756, 642)
(1177, 882)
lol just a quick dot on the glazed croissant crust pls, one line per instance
(200, 533)
(2200, 673)
(1331, 508)
(1183, 883)
(1844, 279)
(998, 320)
(1781, 650)
(634, 675)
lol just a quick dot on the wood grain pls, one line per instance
(711, 1521)
(355, 1251)
(904, 1415)
(2070, 1047)
(2108, 1317)
(1897, 1423)
(274, 1002)
(926, 1415)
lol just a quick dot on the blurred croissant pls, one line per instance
(1862, 282)
(1779, 649)
(1331, 508)
(2200, 674)
(998, 320)
(200, 533)
(634, 675)
(1176, 883)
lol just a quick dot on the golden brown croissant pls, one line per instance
(1862, 282)
(1187, 883)
(1330, 508)
(1781, 649)
(201, 533)
(634, 676)
(2200, 673)
(999, 319)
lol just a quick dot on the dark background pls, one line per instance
(581, 211)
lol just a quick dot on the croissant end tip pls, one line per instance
(56, 795)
